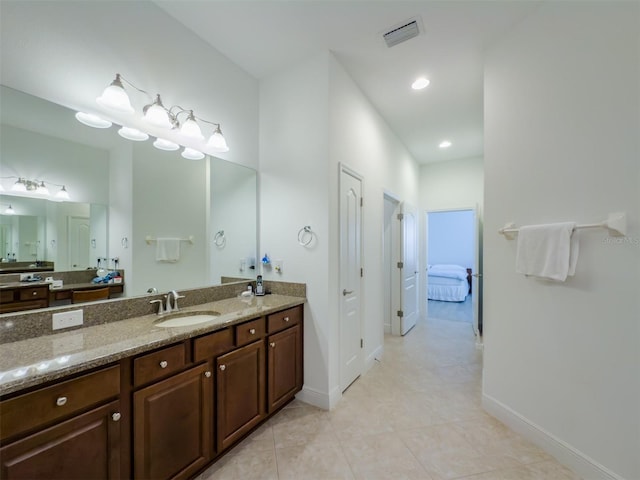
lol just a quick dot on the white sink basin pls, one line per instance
(185, 319)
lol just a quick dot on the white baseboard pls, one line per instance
(370, 361)
(567, 455)
(319, 399)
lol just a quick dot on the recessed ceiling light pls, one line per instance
(445, 144)
(420, 83)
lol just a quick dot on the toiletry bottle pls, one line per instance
(259, 286)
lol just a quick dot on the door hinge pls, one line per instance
(400, 265)
(400, 313)
(401, 216)
(361, 343)
(362, 272)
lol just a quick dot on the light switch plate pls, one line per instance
(25, 276)
(66, 319)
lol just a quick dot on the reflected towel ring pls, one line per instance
(305, 236)
(219, 239)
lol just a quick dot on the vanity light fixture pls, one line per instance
(10, 211)
(155, 114)
(38, 187)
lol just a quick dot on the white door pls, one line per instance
(79, 231)
(350, 277)
(408, 313)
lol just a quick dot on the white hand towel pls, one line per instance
(168, 249)
(547, 251)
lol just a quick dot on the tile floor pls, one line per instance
(415, 415)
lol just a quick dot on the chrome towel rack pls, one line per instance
(219, 239)
(150, 240)
(616, 224)
(305, 236)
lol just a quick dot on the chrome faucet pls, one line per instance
(175, 296)
(160, 306)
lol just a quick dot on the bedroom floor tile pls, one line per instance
(416, 415)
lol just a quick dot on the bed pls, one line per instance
(448, 283)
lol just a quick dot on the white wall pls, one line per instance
(562, 361)
(312, 117)
(451, 238)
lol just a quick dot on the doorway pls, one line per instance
(453, 260)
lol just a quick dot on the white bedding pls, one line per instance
(447, 283)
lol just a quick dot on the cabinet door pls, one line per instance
(86, 446)
(240, 392)
(284, 366)
(172, 425)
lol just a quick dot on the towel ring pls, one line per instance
(305, 236)
(219, 239)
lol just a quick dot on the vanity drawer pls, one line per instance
(285, 319)
(249, 332)
(6, 296)
(213, 344)
(57, 401)
(159, 364)
(34, 293)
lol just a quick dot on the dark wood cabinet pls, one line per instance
(23, 298)
(172, 428)
(85, 447)
(240, 389)
(284, 366)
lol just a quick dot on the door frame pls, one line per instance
(343, 169)
(393, 293)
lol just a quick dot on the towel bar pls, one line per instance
(616, 223)
(150, 240)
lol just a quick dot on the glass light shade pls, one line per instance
(191, 129)
(133, 134)
(162, 144)
(157, 116)
(115, 98)
(445, 144)
(420, 83)
(10, 211)
(63, 194)
(19, 186)
(192, 154)
(92, 120)
(217, 141)
(1, 188)
(42, 189)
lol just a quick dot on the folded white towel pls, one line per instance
(168, 249)
(547, 251)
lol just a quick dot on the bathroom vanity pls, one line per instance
(134, 400)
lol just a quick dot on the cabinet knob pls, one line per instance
(163, 364)
(286, 319)
(207, 374)
(252, 331)
(34, 293)
(61, 401)
(222, 367)
(272, 344)
(116, 416)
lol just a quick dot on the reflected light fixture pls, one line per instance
(155, 114)
(420, 83)
(445, 144)
(92, 120)
(192, 154)
(37, 187)
(10, 211)
(62, 194)
(132, 134)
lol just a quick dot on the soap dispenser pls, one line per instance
(259, 286)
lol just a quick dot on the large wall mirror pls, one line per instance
(123, 196)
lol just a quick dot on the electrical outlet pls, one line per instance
(25, 276)
(66, 319)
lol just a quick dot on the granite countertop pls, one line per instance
(34, 361)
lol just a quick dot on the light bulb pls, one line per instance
(115, 97)
(155, 114)
(162, 144)
(192, 154)
(132, 134)
(92, 120)
(190, 127)
(445, 144)
(217, 141)
(42, 189)
(63, 194)
(420, 83)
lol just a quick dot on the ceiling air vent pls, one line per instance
(402, 33)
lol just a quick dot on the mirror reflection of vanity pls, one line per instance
(122, 194)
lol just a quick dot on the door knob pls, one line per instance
(116, 416)
(346, 292)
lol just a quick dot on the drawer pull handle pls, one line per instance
(286, 319)
(34, 293)
(252, 331)
(273, 344)
(222, 367)
(116, 416)
(61, 401)
(163, 364)
(207, 374)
